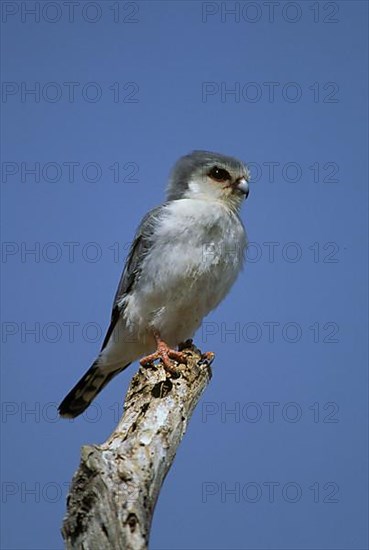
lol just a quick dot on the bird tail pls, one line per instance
(86, 389)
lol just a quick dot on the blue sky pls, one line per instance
(276, 453)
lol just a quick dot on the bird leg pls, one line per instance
(165, 353)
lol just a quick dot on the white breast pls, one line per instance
(197, 255)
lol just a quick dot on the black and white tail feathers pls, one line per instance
(86, 389)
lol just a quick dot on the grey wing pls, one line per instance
(141, 244)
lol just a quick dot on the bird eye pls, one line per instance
(219, 174)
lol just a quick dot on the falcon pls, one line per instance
(184, 258)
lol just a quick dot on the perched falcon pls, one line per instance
(184, 259)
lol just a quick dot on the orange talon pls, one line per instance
(165, 353)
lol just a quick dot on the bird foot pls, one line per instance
(166, 354)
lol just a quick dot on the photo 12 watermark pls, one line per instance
(68, 331)
(290, 252)
(69, 171)
(54, 12)
(270, 11)
(273, 492)
(37, 412)
(50, 492)
(270, 92)
(34, 92)
(270, 412)
(271, 332)
(71, 252)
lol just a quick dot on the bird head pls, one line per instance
(209, 176)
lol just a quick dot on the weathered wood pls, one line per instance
(115, 489)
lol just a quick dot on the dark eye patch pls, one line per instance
(219, 174)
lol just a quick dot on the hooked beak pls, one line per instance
(242, 185)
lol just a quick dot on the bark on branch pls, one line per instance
(115, 489)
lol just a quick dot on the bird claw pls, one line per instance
(167, 355)
(207, 358)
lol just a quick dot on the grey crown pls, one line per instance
(187, 165)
